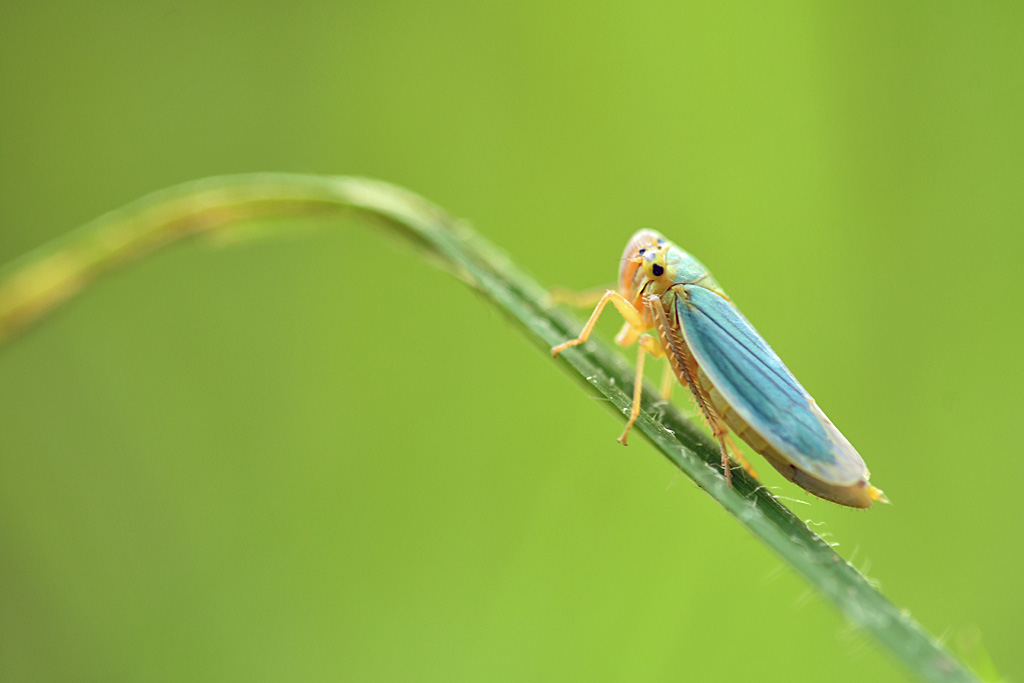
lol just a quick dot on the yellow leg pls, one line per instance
(729, 450)
(634, 320)
(569, 297)
(630, 333)
(719, 431)
(685, 366)
(668, 383)
(647, 344)
(735, 452)
(738, 457)
(638, 391)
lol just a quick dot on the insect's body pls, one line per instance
(735, 377)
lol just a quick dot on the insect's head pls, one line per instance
(643, 261)
(653, 261)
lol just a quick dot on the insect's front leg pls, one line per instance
(631, 333)
(647, 344)
(570, 297)
(634, 320)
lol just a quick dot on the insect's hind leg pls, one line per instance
(721, 434)
(729, 450)
(686, 369)
(720, 430)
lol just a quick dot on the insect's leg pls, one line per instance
(634, 319)
(737, 455)
(721, 434)
(668, 383)
(648, 344)
(718, 427)
(731, 445)
(638, 390)
(568, 297)
(685, 367)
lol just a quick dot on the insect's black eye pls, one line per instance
(657, 270)
(641, 252)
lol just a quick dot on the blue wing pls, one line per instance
(756, 384)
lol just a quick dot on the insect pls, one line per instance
(737, 381)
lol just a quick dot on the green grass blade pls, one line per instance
(219, 209)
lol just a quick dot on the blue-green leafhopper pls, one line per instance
(737, 381)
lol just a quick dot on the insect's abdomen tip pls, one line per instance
(876, 494)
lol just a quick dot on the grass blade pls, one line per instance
(219, 209)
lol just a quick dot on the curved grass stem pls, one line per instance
(219, 209)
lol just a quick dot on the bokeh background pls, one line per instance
(318, 458)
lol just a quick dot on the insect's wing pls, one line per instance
(756, 384)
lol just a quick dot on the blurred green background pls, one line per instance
(318, 458)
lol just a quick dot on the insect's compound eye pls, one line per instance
(657, 270)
